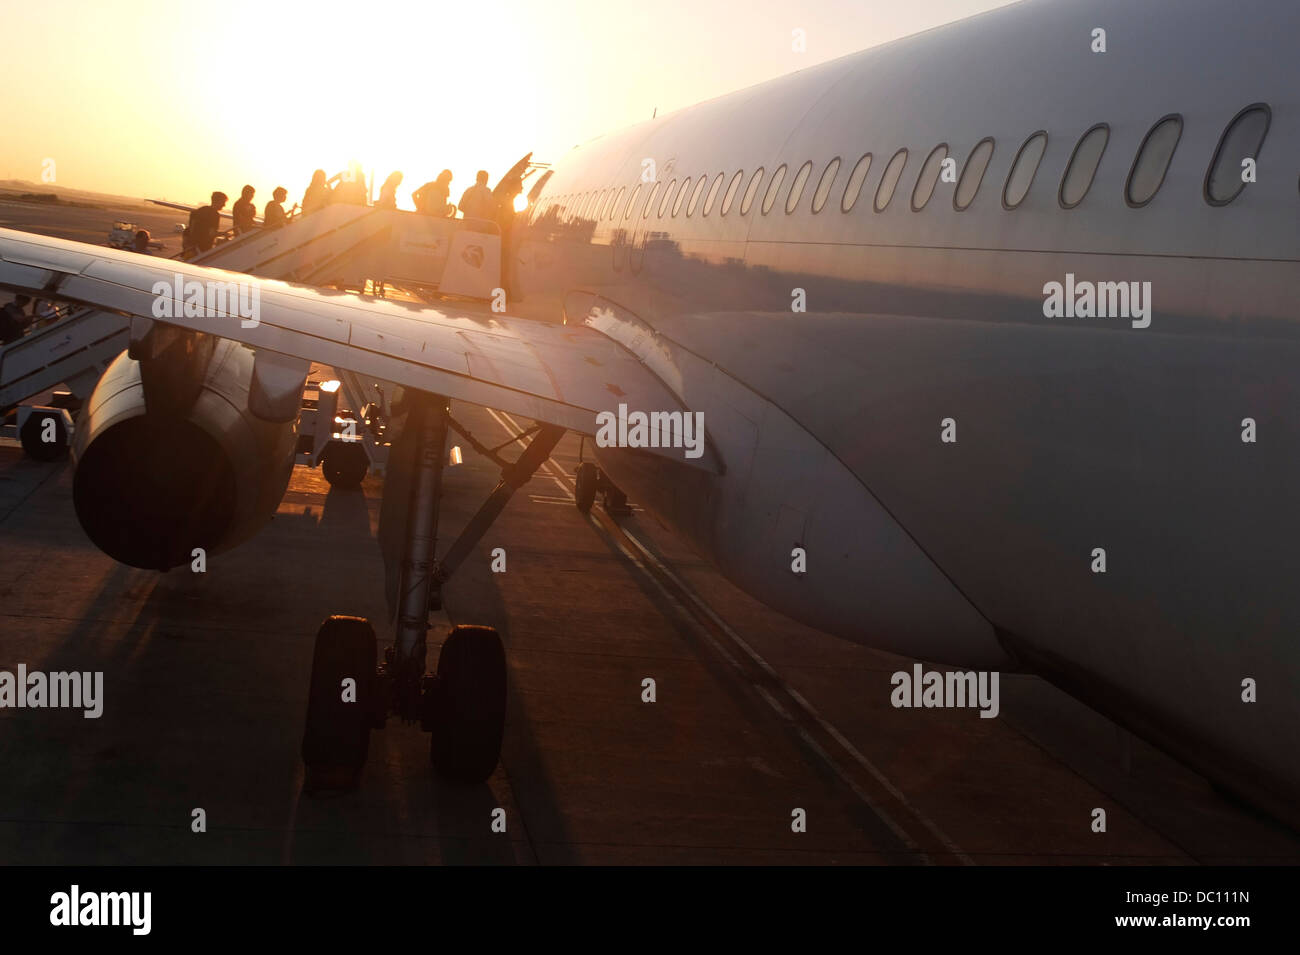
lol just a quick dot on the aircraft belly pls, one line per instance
(1065, 442)
(865, 579)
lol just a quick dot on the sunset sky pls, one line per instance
(175, 99)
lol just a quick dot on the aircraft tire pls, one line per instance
(345, 465)
(585, 490)
(337, 734)
(469, 705)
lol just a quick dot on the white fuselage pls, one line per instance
(1072, 435)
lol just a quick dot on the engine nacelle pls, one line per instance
(156, 478)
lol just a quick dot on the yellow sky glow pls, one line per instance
(156, 98)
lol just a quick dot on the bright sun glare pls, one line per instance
(382, 100)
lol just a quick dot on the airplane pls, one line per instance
(1103, 495)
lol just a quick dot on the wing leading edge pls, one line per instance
(558, 374)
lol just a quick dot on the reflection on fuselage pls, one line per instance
(1071, 434)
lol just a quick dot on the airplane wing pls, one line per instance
(181, 207)
(558, 374)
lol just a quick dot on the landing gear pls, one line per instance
(591, 481)
(588, 479)
(340, 704)
(464, 704)
(344, 465)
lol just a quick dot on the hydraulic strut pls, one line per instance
(422, 574)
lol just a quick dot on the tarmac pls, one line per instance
(754, 717)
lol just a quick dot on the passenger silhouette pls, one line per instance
(13, 320)
(317, 195)
(388, 192)
(431, 198)
(243, 211)
(478, 201)
(351, 189)
(205, 223)
(274, 216)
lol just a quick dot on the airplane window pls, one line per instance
(713, 193)
(1023, 169)
(731, 192)
(631, 202)
(796, 187)
(1243, 139)
(929, 177)
(610, 198)
(668, 194)
(889, 181)
(650, 200)
(824, 185)
(971, 177)
(1152, 161)
(613, 211)
(1082, 167)
(695, 196)
(773, 187)
(856, 178)
(750, 190)
(681, 196)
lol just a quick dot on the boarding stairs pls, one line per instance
(355, 248)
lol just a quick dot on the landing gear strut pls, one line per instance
(462, 705)
(589, 481)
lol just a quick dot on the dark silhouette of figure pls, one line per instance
(317, 195)
(388, 192)
(141, 244)
(478, 201)
(273, 217)
(431, 198)
(205, 222)
(351, 188)
(243, 211)
(13, 320)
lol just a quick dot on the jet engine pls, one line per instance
(169, 458)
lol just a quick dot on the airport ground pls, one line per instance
(206, 679)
